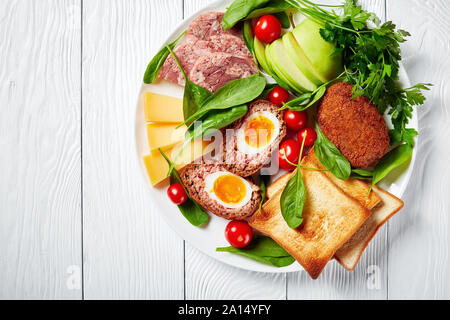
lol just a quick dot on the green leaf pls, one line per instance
(191, 210)
(272, 7)
(265, 250)
(284, 19)
(263, 184)
(239, 10)
(194, 96)
(361, 174)
(330, 156)
(394, 159)
(158, 60)
(234, 93)
(293, 197)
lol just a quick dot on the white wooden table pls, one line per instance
(75, 217)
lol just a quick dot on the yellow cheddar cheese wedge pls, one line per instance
(161, 108)
(157, 166)
(164, 136)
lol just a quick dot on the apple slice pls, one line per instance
(317, 50)
(276, 71)
(260, 52)
(284, 64)
(301, 61)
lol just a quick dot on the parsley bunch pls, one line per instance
(371, 57)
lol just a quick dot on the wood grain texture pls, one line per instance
(369, 280)
(419, 254)
(129, 252)
(207, 278)
(40, 216)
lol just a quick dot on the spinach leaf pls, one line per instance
(239, 10)
(284, 19)
(191, 210)
(293, 197)
(194, 95)
(234, 93)
(263, 184)
(390, 161)
(331, 157)
(298, 104)
(273, 6)
(265, 250)
(361, 174)
(158, 60)
(216, 120)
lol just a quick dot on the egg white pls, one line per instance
(209, 188)
(240, 134)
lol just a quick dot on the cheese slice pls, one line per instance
(164, 136)
(161, 108)
(157, 166)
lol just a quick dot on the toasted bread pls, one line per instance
(353, 187)
(330, 216)
(350, 253)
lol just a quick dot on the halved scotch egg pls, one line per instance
(220, 191)
(228, 189)
(249, 145)
(258, 132)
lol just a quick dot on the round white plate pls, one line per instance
(211, 236)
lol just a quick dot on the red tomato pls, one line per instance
(177, 194)
(311, 137)
(296, 120)
(238, 233)
(268, 28)
(279, 96)
(290, 150)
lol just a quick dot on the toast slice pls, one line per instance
(331, 217)
(350, 253)
(353, 187)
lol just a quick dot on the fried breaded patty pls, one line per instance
(355, 126)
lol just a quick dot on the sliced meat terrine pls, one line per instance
(209, 50)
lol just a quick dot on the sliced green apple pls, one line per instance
(277, 72)
(260, 52)
(317, 50)
(284, 64)
(301, 61)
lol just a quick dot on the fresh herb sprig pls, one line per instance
(371, 57)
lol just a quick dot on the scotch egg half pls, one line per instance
(258, 132)
(229, 190)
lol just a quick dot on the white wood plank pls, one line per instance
(129, 252)
(419, 255)
(207, 278)
(40, 215)
(369, 280)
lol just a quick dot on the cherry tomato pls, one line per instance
(177, 194)
(290, 150)
(296, 120)
(279, 96)
(311, 136)
(238, 233)
(268, 28)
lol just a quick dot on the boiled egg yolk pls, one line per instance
(259, 131)
(230, 189)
